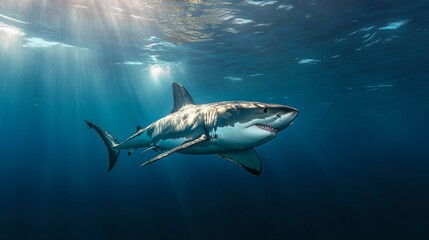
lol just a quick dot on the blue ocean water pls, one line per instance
(353, 166)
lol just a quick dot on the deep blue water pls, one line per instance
(354, 165)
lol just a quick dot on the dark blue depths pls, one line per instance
(353, 166)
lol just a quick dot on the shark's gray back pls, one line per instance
(190, 122)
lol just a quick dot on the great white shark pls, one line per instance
(229, 129)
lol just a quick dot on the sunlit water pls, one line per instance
(353, 166)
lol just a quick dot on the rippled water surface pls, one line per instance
(353, 166)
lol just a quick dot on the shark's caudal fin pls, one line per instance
(109, 141)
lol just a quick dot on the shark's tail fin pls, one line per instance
(109, 141)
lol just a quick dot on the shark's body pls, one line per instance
(229, 129)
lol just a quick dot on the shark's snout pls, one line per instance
(291, 115)
(286, 117)
(287, 112)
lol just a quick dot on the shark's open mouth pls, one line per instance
(267, 128)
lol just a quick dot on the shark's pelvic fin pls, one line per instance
(248, 159)
(109, 141)
(202, 138)
(181, 97)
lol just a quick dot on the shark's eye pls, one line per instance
(265, 110)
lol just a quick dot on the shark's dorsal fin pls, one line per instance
(247, 158)
(181, 97)
(138, 128)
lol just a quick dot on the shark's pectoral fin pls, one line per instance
(248, 159)
(187, 144)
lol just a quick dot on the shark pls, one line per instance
(230, 129)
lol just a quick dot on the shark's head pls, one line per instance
(250, 124)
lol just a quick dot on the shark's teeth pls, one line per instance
(267, 128)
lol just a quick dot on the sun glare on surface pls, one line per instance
(158, 71)
(9, 35)
(155, 71)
